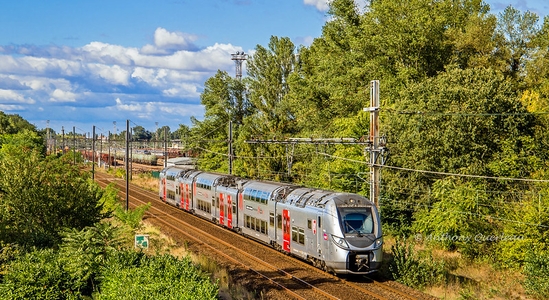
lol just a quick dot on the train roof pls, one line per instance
(303, 196)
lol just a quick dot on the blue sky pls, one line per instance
(83, 63)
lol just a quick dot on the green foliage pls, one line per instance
(409, 268)
(40, 196)
(132, 217)
(37, 275)
(12, 124)
(456, 219)
(528, 229)
(132, 275)
(536, 270)
(84, 252)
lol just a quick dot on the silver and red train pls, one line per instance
(337, 232)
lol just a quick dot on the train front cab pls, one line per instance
(356, 238)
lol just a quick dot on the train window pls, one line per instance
(279, 221)
(263, 227)
(319, 223)
(309, 223)
(357, 220)
(294, 234)
(264, 197)
(301, 236)
(255, 195)
(271, 219)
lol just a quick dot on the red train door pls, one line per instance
(229, 211)
(221, 209)
(286, 230)
(182, 194)
(188, 203)
(164, 189)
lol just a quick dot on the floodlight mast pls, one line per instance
(238, 58)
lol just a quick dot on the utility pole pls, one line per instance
(165, 147)
(74, 144)
(93, 152)
(376, 148)
(48, 142)
(230, 147)
(155, 135)
(127, 164)
(63, 138)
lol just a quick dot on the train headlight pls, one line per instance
(378, 242)
(340, 242)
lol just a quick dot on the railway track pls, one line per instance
(273, 273)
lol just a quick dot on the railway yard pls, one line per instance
(258, 268)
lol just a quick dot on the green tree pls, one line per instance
(10, 124)
(40, 196)
(456, 122)
(516, 34)
(139, 133)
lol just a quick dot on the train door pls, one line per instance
(321, 237)
(240, 211)
(164, 189)
(187, 194)
(221, 209)
(229, 210)
(286, 230)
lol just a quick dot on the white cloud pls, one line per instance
(62, 96)
(166, 39)
(113, 74)
(321, 5)
(183, 90)
(9, 96)
(11, 107)
(127, 107)
(182, 109)
(166, 42)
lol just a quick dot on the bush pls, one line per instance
(409, 268)
(536, 270)
(37, 275)
(133, 275)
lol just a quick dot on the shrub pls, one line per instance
(409, 268)
(133, 275)
(37, 275)
(536, 270)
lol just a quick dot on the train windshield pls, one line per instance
(357, 220)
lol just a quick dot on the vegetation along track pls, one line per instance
(256, 266)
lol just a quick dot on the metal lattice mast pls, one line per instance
(238, 58)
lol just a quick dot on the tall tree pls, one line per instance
(268, 70)
(516, 33)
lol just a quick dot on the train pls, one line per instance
(337, 232)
